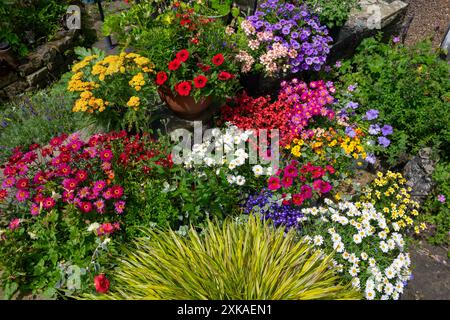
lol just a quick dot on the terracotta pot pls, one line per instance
(184, 107)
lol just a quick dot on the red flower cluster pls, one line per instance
(286, 180)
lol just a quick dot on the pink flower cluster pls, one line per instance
(307, 102)
(295, 181)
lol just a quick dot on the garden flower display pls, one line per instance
(284, 38)
(202, 65)
(113, 89)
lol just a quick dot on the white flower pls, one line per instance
(395, 296)
(389, 272)
(357, 238)
(338, 246)
(384, 297)
(370, 294)
(382, 235)
(231, 179)
(356, 283)
(399, 286)
(335, 237)
(93, 227)
(391, 244)
(318, 240)
(232, 165)
(209, 161)
(345, 255)
(372, 262)
(364, 256)
(395, 226)
(380, 287)
(240, 180)
(389, 289)
(257, 170)
(384, 247)
(354, 270)
(269, 171)
(353, 259)
(370, 285)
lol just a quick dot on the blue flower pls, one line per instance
(387, 130)
(372, 114)
(384, 141)
(374, 129)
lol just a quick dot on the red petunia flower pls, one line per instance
(101, 283)
(274, 183)
(183, 55)
(200, 81)
(174, 64)
(223, 75)
(218, 59)
(183, 88)
(161, 78)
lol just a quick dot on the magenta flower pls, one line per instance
(100, 206)
(49, 203)
(286, 182)
(84, 192)
(34, 209)
(106, 155)
(22, 195)
(8, 182)
(70, 184)
(14, 224)
(291, 171)
(441, 198)
(99, 186)
(119, 206)
(108, 194)
(274, 183)
(117, 192)
(322, 186)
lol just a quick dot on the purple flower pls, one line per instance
(352, 87)
(396, 39)
(384, 141)
(372, 114)
(370, 158)
(352, 105)
(338, 64)
(387, 130)
(374, 129)
(441, 198)
(350, 132)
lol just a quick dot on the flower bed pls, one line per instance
(269, 183)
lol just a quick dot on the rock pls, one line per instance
(7, 79)
(15, 88)
(38, 78)
(418, 173)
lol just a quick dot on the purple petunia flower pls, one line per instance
(372, 114)
(352, 105)
(352, 87)
(385, 142)
(370, 158)
(374, 129)
(387, 130)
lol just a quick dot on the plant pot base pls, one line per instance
(185, 107)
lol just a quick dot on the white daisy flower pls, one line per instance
(357, 238)
(364, 256)
(257, 170)
(356, 282)
(231, 179)
(318, 240)
(240, 180)
(370, 294)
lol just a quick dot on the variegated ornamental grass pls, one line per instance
(233, 260)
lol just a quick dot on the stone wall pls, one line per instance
(41, 67)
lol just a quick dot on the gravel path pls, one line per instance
(430, 18)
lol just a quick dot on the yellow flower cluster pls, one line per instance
(90, 74)
(134, 102)
(137, 82)
(390, 194)
(353, 146)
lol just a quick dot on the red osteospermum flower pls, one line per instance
(86, 207)
(200, 81)
(48, 203)
(106, 155)
(183, 88)
(183, 55)
(22, 184)
(174, 64)
(223, 75)
(161, 78)
(218, 59)
(101, 283)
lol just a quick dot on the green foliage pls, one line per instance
(409, 86)
(332, 13)
(28, 23)
(229, 261)
(436, 212)
(51, 253)
(36, 118)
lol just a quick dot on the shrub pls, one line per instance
(332, 13)
(117, 91)
(437, 206)
(410, 88)
(221, 263)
